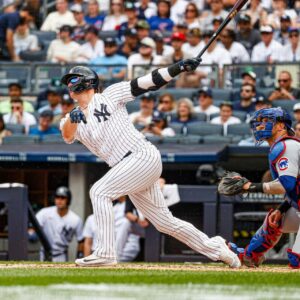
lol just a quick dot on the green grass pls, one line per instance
(46, 276)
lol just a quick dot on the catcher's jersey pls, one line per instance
(59, 230)
(109, 134)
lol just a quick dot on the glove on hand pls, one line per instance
(76, 115)
(232, 184)
(190, 64)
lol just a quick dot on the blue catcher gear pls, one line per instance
(268, 117)
(294, 259)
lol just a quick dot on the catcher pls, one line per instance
(273, 125)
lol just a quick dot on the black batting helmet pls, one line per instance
(63, 191)
(81, 78)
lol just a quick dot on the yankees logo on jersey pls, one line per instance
(102, 113)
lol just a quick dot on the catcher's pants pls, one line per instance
(137, 176)
(291, 224)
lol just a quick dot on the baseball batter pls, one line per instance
(101, 123)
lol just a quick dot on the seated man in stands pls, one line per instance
(285, 91)
(45, 126)
(19, 116)
(14, 92)
(205, 100)
(247, 94)
(296, 111)
(67, 104)
(54, 97)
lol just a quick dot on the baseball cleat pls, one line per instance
(226, 255)
(95, 261)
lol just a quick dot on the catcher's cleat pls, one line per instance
(226, 255)
(95, 261)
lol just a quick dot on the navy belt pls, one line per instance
(127, 154)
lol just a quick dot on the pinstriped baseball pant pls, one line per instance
(137, 176)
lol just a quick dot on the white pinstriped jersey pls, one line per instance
(109, 133)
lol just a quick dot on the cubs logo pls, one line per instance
(283, 163)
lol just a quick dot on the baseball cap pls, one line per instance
(181, 24)
(110, 41)
(148, 42)
(157, 36)
(92, 29)
(249, 73)
(129, 5)
(142, 24)
(47, 113)
(217, 19)
(244, 18)
(54, 89)
(178, 36)
(66, 99)
(66, 28)
(206, 90)
(285, 18)
(130, 32)
(261, 100)
(293, 29)
(76, 8)
(194, 32)
(158, 116)
(296, 107)
(266, 29)
(148, 97)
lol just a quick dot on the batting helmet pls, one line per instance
(268, 117)
(63, 191)
(81, 78)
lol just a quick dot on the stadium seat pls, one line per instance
(20, 139)
(33, 55)
(178, 93)
(203, 128)
(240, 114)
(44, 37)
(108, 33)
(15, 128)
(221, 94)
(171, 139)
(216, 139)
(201, 116)
(177, 127)
(190, 140)
(285, 104)
(154, 139)
(133, 106)
(53, 139)
(238, 129)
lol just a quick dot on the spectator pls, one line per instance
(9, 6)
(158, 126)
(145, 57)
(291, 51)
(297, 130)
(181, 27)
(63, 49)
(115, 64)
(132, 19)
(3, 131)
(166, 104)
(296, 111)
(194, 44)
(205, 100)
(116, 16)
(177, 41)
(79, 28)
(67, 104)
(143, 117)
(282, 35)
(247, 94)
(161, 47)
(62, 16)
(268, 50)
(162, 20)
(261, 102)
(237, 51)
(60, 224)
(14, 93)
(19, 116)
(226, 118)
(191, 16)
(130, 44)
(185, 112)
(54, 97)
(23, 40)
(8, 25)
(246, 34)
(146, 9)
(178, 8)
(93, 48)
(143, 29)
(45, 126)
(285, 91)
(93, 16)
(216, 22)
(257, 13)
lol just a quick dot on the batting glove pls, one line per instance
(76, 115)
(190, 64)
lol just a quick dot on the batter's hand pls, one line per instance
(76, 115)
(274, 218)
(190, 64)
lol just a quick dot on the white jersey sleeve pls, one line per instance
(119, 92)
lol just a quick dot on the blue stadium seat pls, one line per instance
(221, 94)
(15, 128)
(178, 93)
(53, 139)
(39, 55)
(239, 129)
(240, 114)
(177, 127)
(44, 37)
(190, 140)
(285, 104)
(203, 128)
(133, 106)
(216, 139)
(201, 116)
(171, 139)
(20, 139)
(108, 33)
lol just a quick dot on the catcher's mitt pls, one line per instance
(232, 184)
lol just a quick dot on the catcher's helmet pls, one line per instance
(63, 191)
(268, 117)
(81, 78)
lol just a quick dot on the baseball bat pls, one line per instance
(233, 12)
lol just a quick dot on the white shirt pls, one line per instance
(67, 51)
(287, 54)
(238, 53)
(190, 51)
(167, 53)
(88, 52)
(261, 53)
(27, 42)
(109, 133)
(138, 59)
(230, 121)
(150, 11)
(177, 11)
(134, 116)
(27, 120)
(112, 22)
(55, 20)
(212, 109)
(59, 230)
(274, 18)
(219, 56)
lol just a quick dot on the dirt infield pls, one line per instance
(148, 266)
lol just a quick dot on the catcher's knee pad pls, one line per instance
(264, 239)
(294, 259)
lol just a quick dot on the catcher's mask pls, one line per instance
(268, 117)
(81, 78)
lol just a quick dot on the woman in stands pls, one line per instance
(191, 16)
(116, 16)
(162, 21)
(166, 105)
(3, 132)
(185, 112)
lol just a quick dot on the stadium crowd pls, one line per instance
(125, 39)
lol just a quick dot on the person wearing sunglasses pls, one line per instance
(284, 90)
(247, 93)
(291, 51)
